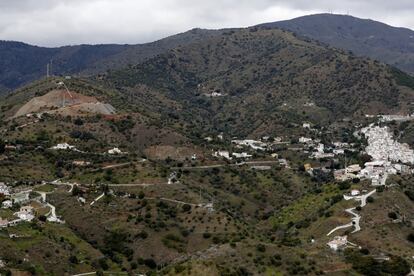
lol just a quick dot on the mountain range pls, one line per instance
(211, 152)
(21, 63)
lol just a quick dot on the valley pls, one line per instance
(249, 151)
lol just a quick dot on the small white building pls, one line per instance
(339, 151)
(81, 163)
(256, 145)
(63, 146)
(241, 155)
(6, 204)
(306, 125)
(173, 179)
(216, 94)
(222, 153)
(114, 151)
(82, 200)
(355, 192)
(305, 140)
(356, 168)
(4, 189)
(25, 213)
(275, 155)
(339, 242)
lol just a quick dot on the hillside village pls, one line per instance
(245, 153)
(389, 157)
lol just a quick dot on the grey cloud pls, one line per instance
(61, 22)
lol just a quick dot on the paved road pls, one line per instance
(354, 222)
(135, 184)
(51, 215)
(364, 197)
(356, 217)
(225, 165)
(112, 166)
(98, 198)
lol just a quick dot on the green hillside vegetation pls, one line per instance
(164, 205)
(281, 75)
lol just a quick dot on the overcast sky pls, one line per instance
(68, 22)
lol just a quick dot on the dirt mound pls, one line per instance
(64, 102)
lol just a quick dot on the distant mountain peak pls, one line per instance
(364, 37)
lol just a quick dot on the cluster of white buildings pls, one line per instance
(66, 146)
(226, 155)
(398, 118)
(382, 146)
(349, 173)
(26, 213)
(243, 155)
(254, 144)
(4, 189)
(222, 153)
(340, 243)
(389, 156)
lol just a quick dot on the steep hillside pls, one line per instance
(364, 37)
(262, 79)
(163, 186)
(21, 63)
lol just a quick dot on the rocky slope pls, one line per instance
(264, 78)
(363, 37)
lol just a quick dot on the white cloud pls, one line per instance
(62, 22)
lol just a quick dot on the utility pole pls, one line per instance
(51, 65)
(47, 70)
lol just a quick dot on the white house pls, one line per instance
(6, 204)
(25, 213)
(304, 140)
(4, 189)
(216, 94)
(256, 145)
(355, 192)
(63, 146)
(339, 242)
(306, 125)
(114, 151)
(356, 168)
(241, 155)
(222, 153)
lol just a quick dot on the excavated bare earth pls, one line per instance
(65, 103)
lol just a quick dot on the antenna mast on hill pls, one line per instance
(67, 91)
(47, 70)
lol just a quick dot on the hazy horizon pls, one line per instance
(63, 22)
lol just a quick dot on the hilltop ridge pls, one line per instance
(364, 37)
